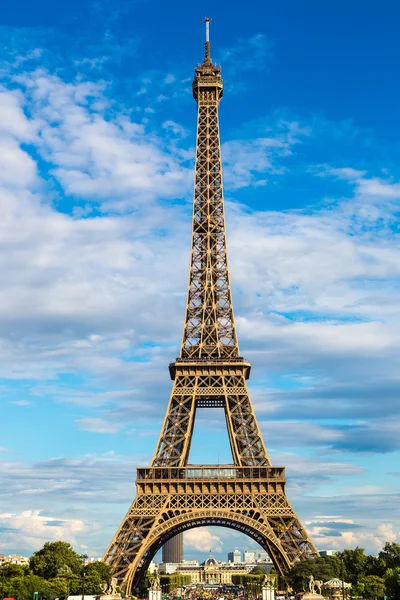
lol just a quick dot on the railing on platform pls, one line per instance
(211, 472)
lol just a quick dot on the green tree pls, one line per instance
(23, 587)
(248, 580)
(392, 581)
(9, 570)
(390, 555)
(48, 561)
(96, 574)
(258, 570)
(375, 566)
(66, 582)
(173, 581)
(372, 587)
(355, 564)
(322, 568)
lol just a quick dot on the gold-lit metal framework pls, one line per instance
(173, 496)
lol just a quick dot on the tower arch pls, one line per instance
(261, 534)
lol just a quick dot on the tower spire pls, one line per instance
(207, 56)
(209, 330)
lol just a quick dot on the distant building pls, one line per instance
(172, 551)
(256, 556)
(167, 568)
(235, 557)
(170, 567)
(249, 556)
(92, 559)
(264, 557)
(14, 559)
(267, 566)
(212, 572)
(327, 552)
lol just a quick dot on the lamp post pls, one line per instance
(342, 577)
(83, 557)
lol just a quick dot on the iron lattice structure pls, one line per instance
(173, 496)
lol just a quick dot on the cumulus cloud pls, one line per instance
(338, 534)
(91, 156)
(203, 540)
(31, 527)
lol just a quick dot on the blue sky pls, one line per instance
(97, 134)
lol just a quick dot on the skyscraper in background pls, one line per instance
(172, 551)
(254, 556)
(235, 556)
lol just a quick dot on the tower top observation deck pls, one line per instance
(207, 74)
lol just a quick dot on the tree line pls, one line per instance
(371, 577)
(55, 571)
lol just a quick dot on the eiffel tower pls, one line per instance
(173, 496)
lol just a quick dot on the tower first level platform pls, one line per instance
(171, 500)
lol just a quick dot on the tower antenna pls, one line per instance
(207, 57)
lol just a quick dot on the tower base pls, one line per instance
(171, 500)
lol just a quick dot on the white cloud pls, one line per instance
(286, 434)
(250, 162)
(379, 187)
(112, 161)
(337, 533)
(387, 533)
(88, 479)
(97, 425)
(31, 528)
(203, 540)
(17, 169)
(13, 121)
(21, 403)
